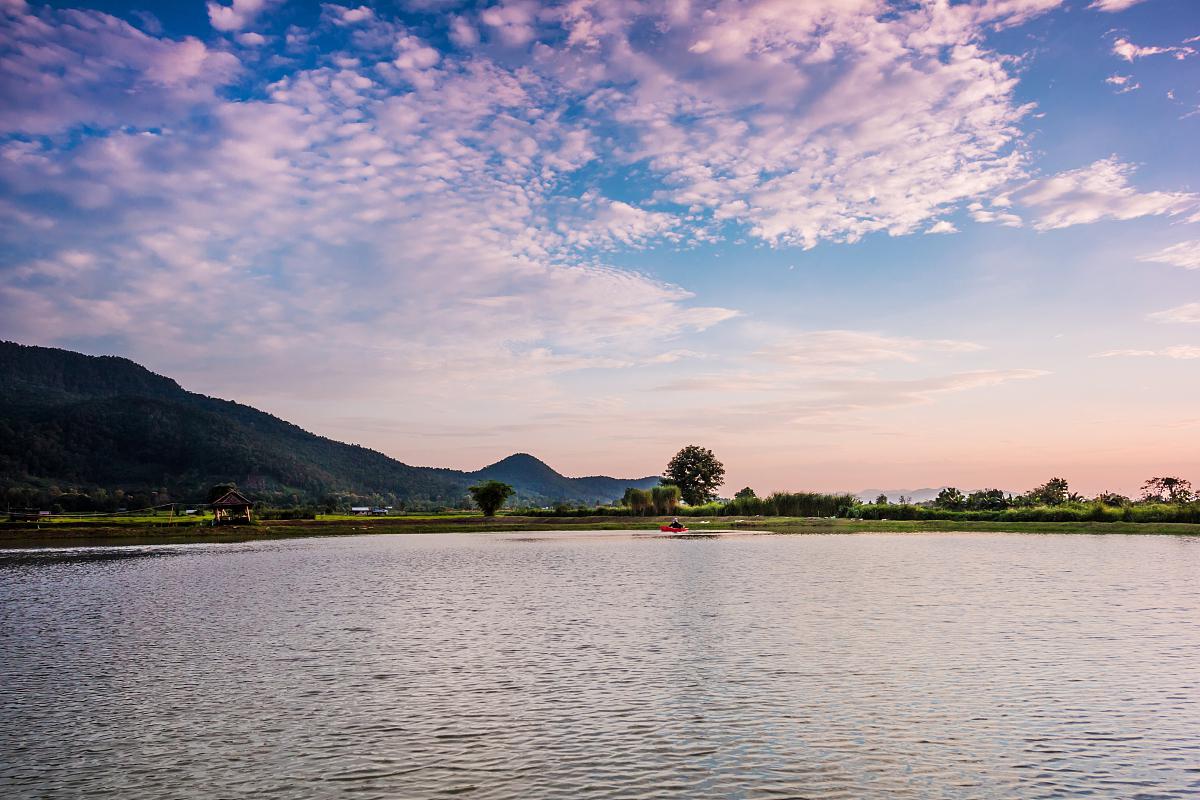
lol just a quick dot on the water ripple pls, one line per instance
(605, 666)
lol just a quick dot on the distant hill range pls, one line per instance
(88, 422)
(912, 495)
(894, 495)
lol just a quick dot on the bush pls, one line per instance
(1069, 512)
(779, 504)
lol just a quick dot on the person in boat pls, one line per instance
(676, 524)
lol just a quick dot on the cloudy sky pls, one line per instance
(845, 243)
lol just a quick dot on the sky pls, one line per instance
(843, 243)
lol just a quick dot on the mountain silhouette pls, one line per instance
(80, 422)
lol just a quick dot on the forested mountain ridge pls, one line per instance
(88, 423)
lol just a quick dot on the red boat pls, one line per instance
(669, 529)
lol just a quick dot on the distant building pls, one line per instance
(362, 510)
(232, 508)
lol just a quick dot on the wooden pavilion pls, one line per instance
(232, 508)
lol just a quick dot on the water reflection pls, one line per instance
(83, 554)
(545, 665)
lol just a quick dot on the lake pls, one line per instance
(605, 665)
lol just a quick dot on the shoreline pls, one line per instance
(84, 535)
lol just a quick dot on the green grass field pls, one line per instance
(151, 528)
(115, 520)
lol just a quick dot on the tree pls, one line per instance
(745, 494)
(881, 500)
(987, 500)
(950, 499)
(1167, 490)
(490, 495)
(1112, 499)
(697, 473)
(1053, 492)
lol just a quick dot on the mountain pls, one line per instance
(913, 495)
(536, 479)
(106, 423)
(894, 495)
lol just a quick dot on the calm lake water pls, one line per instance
(605, 665)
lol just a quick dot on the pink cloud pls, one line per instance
(1101, 190)
(1130, 51)
(235, 16)
(68, 68)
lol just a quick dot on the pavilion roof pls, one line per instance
(232, 498)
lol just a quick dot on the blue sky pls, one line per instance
(845, 243)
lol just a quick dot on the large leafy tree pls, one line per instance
(987, 500)
(951, 499)
(1053, 492)
(697, 473)
(490, 495)
(1167, 489)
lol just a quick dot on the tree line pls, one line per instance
(1163, 499)
(693, 476)
(1057, 492)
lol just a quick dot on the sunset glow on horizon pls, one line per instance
(846, 244)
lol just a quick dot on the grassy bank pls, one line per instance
(93, 533)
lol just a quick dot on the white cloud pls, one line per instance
(1097, 192)
(997, 213)
(875, 392)
(942, 226)
(671, 356)
(843, 347)
(414, 54)
(1187, 313)
(609, 224)
(427, 210)
(1184, 352)
(810, 401)
(69, 68)
(512, 20)
(410, 226)
(345, 15)
(1125, 82)
(463, 33)
(1113, 6)
(1183, 254)
(820, 122)
(1129, 51)
(235, 16)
